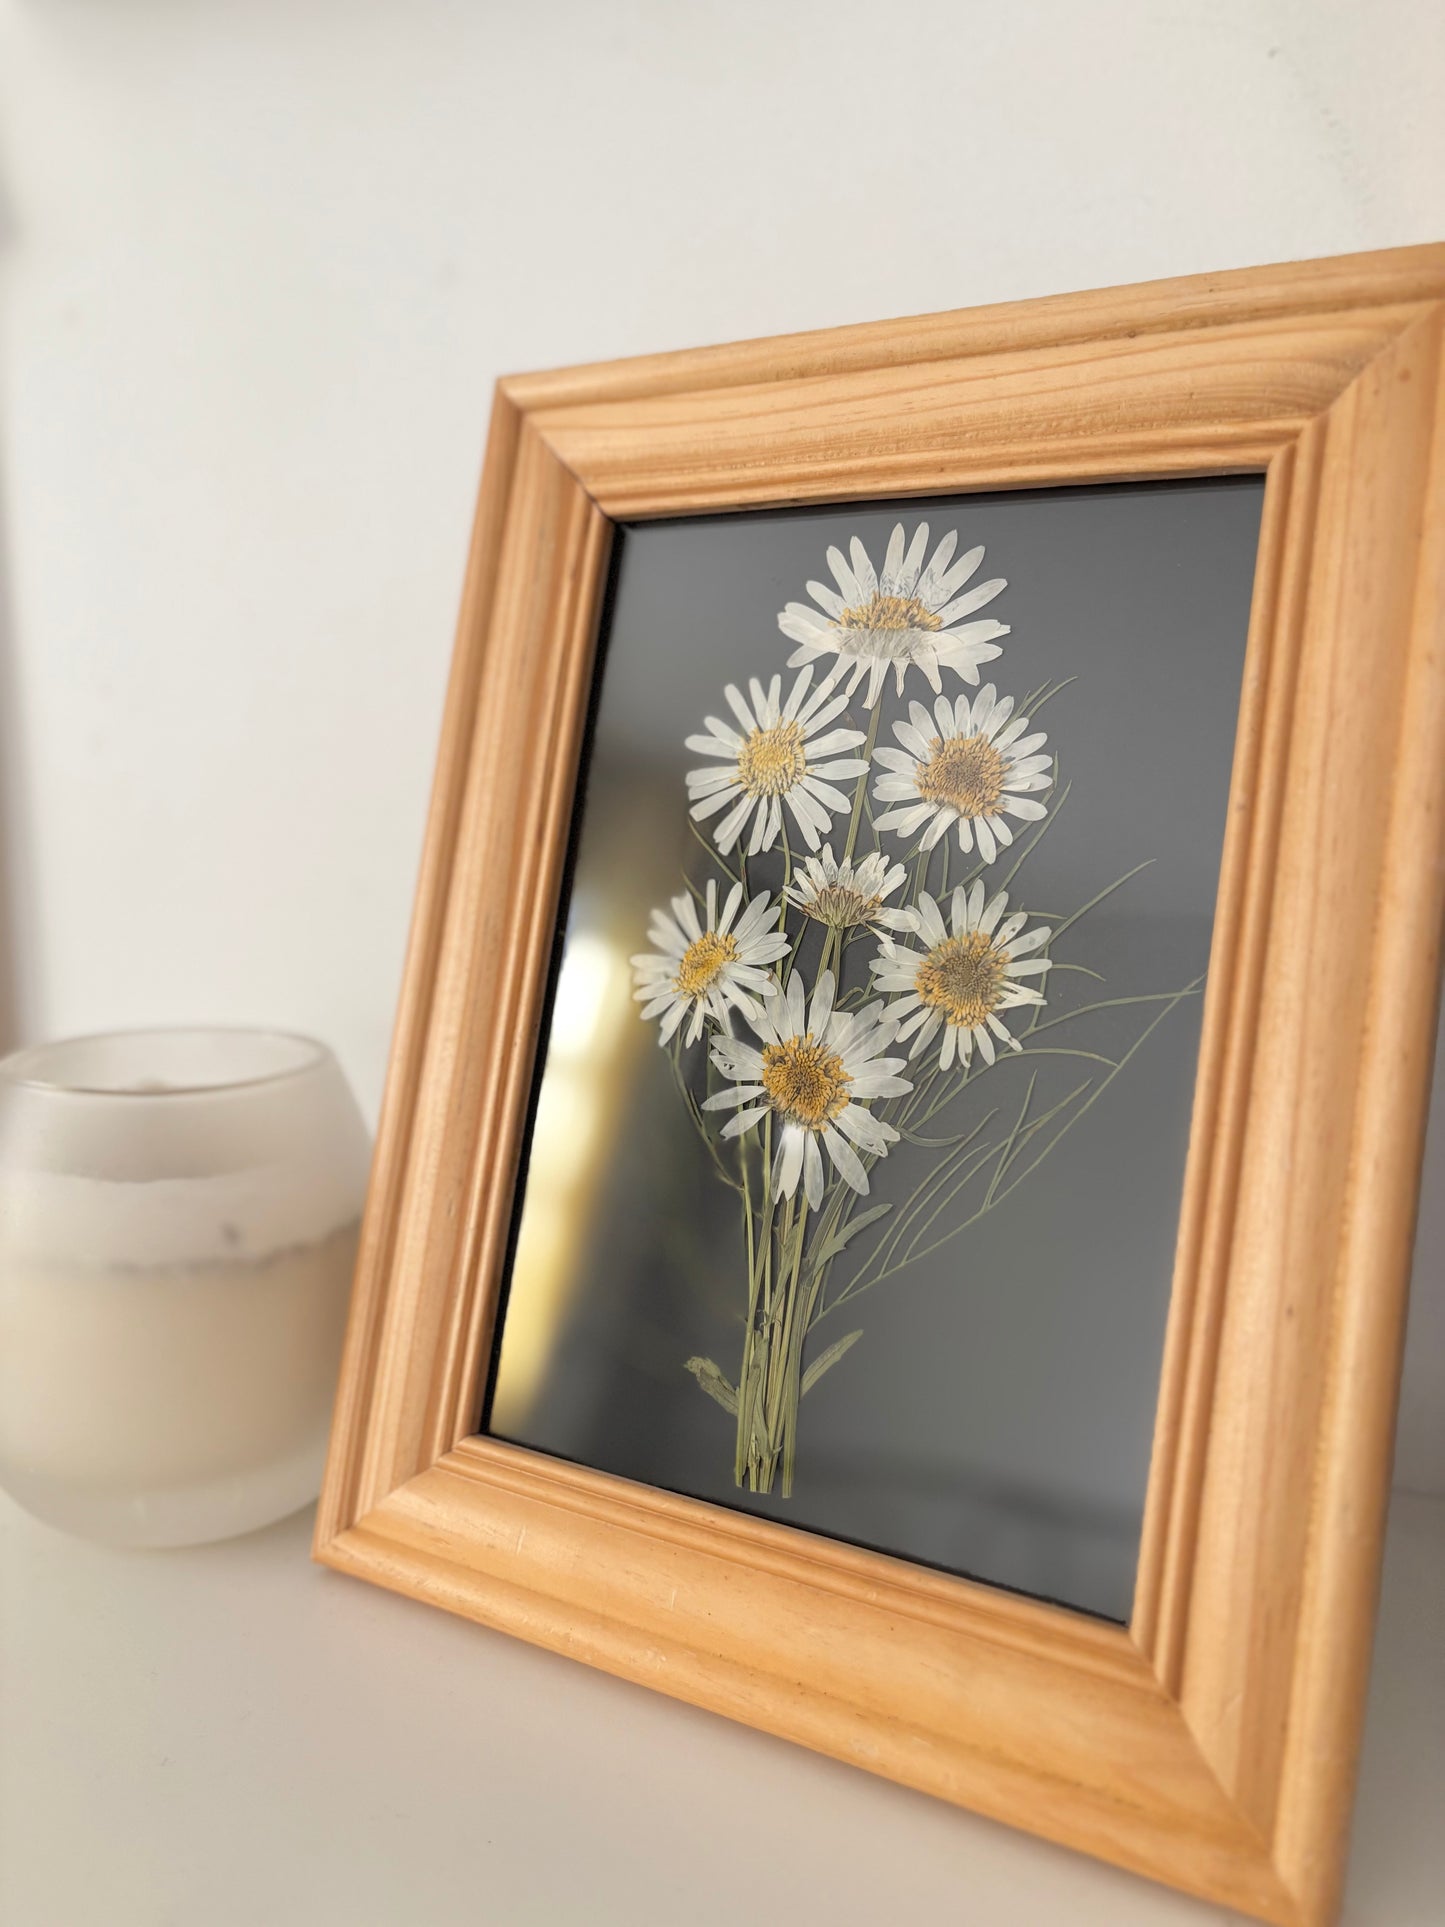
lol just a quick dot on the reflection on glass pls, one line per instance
(589, 1032)
(887, 1253)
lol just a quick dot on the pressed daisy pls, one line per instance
(845, 895)
(816, 1071)
(706, 965)
(969, 974)
(908, 614)
(966, 764)
(777, 755)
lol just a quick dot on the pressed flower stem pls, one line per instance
(769, 1383)
(782, 1370)
(745, 1403)
(783, 1331)
(784, 1356)
(788, 1298)
(795, 1380)
(794, 1227)
(750, 1429)
(859, 793)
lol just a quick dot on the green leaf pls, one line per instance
(833, 1244)
(713, 1383)
(826, 1360)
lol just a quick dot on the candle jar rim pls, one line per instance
(277, 1057)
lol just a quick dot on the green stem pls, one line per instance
(795, 1382)
(858, 794)
(782, 1406)
(760, 1250)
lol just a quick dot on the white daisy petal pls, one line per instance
(906, 617)
(710, 805)
(845, 895)
(895, 759)
(818, 1072)
(730, 1099)
(789, 1162)
(835, 742)
(846, 1159)
(864, 573)
(759, 840)
(671, 1021)
(727, 832)
(812, 1171)
(892, 562)
(953, 579)
(702, 782)
(964, 771)
(913, 561)
(864, 1129)
(786, 748)
(965, 605)
(929, 581)
(827, 599)
(974, 637)
(827, 794)
(822, 1001)
(707, 968)
(844, 577)
(964, 976)
(795, 697)
(1031, 941)
(807, 629)
(734, 699)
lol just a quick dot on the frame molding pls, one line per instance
(1212, 1744)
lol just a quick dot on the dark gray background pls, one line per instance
(996, 1417)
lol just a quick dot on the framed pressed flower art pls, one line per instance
(894, 1197)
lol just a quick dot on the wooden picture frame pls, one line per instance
(1212, 1743)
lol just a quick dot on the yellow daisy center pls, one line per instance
(889, 612)
(840, 906)
(964, 977)
(772, 760)
(805, 1081)
(701, 962)
(965, 772)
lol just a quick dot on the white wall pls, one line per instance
(262, 260)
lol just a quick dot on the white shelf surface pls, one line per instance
(229, 1736)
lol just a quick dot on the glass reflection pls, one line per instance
(996, 1417)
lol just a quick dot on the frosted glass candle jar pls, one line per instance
(178, 1223)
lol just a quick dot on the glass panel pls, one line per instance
(684, 1305)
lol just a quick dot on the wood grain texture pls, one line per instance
(1292, 290)
(1213, 1744)
(1299, 1274)
(1225, 1072)
(1155, 404)
(998, 1705)
(352, 1415)
(1357, 1429)
(451, 1125)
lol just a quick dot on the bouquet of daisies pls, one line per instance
(850, 968)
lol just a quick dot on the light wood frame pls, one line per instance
(1212, 1743)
